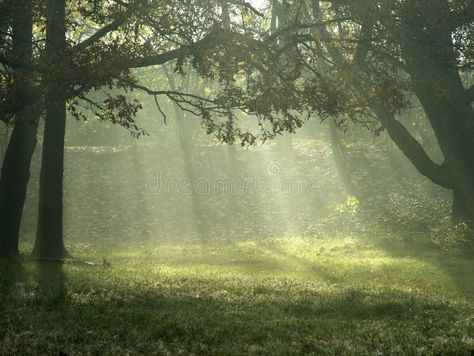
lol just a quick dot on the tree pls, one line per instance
(128, 35)
(49, 238)
(49, 241)
(381, 58)
(369, 62)
(16, 165)
(357, 61)
(431, 41)
(429, 44)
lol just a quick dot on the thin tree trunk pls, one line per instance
(15, 171)
(49, 239)
(340, 159)
(185, 132)
(187, 146)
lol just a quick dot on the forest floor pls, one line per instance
(277, 297)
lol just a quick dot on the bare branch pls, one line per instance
(160, 109)
(169, 93)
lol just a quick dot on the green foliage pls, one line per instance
(351, 206)
(448, 234)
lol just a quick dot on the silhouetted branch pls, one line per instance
(412, 149)
(113, 26)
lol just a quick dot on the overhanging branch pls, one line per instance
(411, 148)
(113, 26)
(210, 41)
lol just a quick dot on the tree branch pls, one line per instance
(162, 58)
(308, 26)
(210, 41)
(113, 26)
(170, 93)
(14, 64)
(246, 5)
(365, 43)
(411, 148)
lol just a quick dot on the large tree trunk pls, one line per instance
(13, 186)
(16, 163)
(432, 64)
(49, 239)
(452, 118)
(463, 206)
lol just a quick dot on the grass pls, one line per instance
(287, 296)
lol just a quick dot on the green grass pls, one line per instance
(272, 297)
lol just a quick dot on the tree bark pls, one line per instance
(463, 206)
(49, 239)
(15, 171)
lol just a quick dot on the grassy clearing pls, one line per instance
(285, 296)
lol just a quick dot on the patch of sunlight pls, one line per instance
(344, 261)
(349, 261)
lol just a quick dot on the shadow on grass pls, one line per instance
(12, 277)
(51, 282)
(456, 263)
(25, 282)
(128, 320)
(92, 314)
(319, 271)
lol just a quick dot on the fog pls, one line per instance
(236, 177)
(180, 184)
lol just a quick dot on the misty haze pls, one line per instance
(271, 177)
